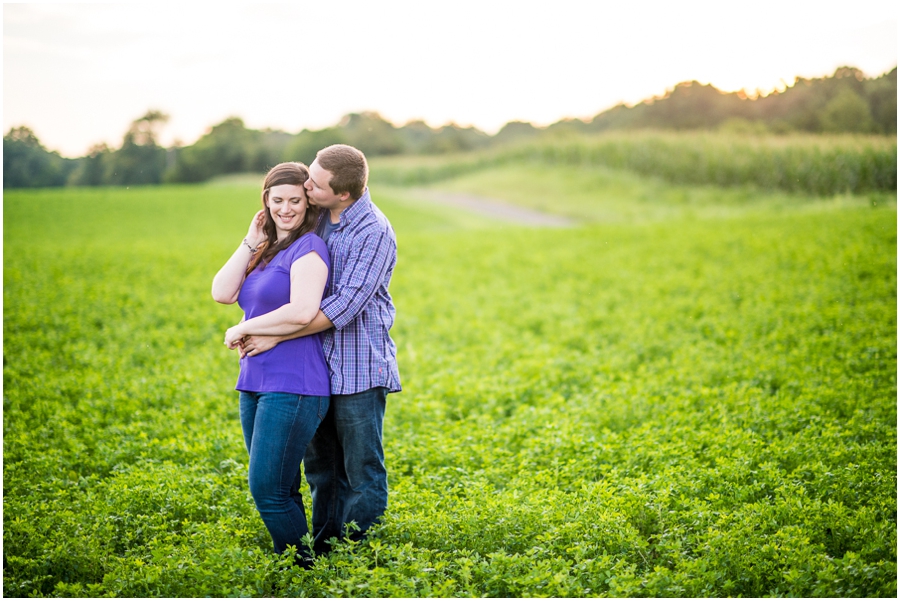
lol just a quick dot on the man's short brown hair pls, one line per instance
(348, 167)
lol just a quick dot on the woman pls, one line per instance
(277, 275)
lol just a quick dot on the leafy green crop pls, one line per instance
(683, 407)
(807, 164)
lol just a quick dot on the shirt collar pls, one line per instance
(350, 213)
(359, 207)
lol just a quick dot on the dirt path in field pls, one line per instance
(495, 209)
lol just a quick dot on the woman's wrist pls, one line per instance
(236, 332)
(251, 245)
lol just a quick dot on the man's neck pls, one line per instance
(336, 211)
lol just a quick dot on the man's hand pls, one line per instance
(254, 345)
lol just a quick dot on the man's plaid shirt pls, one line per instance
(359, 350)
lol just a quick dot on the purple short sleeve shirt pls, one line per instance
(296, 366)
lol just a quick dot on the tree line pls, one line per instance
(845, 102)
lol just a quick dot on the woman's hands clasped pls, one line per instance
(234, 337)
(249, 346)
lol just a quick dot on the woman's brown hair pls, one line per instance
(294, 174)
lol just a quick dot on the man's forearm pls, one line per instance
(256, 344)
(320, 323)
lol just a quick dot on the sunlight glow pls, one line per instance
(78, 74)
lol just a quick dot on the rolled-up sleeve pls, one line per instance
(370, 260)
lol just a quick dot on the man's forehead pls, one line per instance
(319, 173)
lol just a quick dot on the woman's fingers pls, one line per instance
(233, 339)
(257, 225)
(244, 346)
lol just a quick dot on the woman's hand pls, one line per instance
(234, 337)
(256, 234)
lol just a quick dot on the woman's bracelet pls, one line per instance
(252, 250)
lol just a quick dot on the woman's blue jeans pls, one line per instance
(277, 428)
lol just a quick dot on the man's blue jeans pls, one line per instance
(277, 428)
(345, 466)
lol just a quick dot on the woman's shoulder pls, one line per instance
(305, 241)
(308, 242)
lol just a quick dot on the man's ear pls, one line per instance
(345, 196)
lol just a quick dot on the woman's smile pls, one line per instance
(287, 205)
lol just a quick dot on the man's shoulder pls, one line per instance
(381, 220)
(371, 221)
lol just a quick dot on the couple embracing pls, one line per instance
(317, 361)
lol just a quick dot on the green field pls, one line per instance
(691, 394)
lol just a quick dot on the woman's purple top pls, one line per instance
(296, 366)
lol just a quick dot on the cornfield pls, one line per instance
(804, 164)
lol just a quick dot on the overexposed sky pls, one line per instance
(78, 74)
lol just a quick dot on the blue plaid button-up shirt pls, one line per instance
(359, 350)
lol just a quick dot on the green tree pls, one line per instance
(840, 102)
(565, 128)
(226, 148)
(144, 131)
(453, 138)
(515, 131)
(140, 160)
(881, 94)
(307, 143)
(91, 169)
(416, 136)
(27, 164)
(268, 149)
(846, 112)
(367, 131)
(371, 133)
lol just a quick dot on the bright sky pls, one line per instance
(78, 74)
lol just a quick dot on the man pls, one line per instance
(344, 463)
